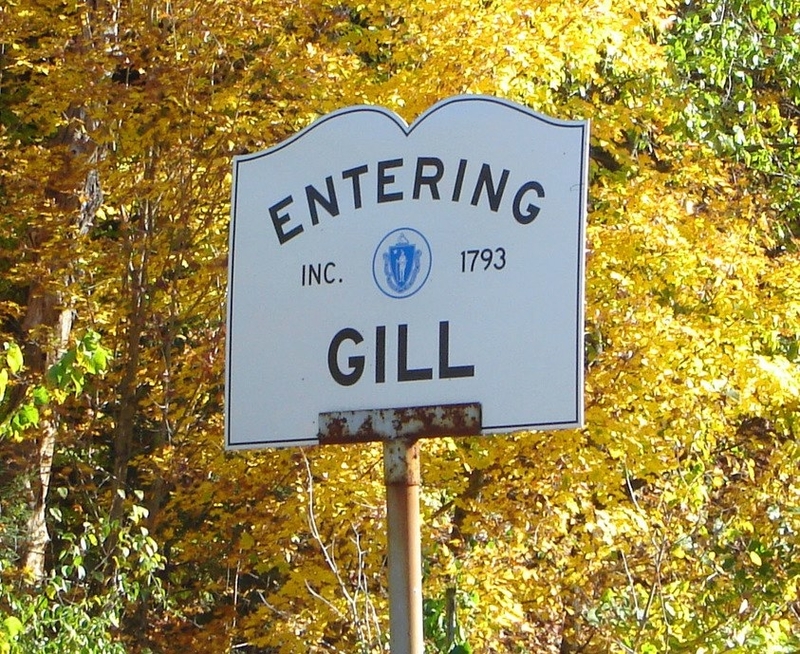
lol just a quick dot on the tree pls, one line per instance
(739, 65)
(667, 524)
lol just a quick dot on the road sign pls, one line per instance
(375, 265)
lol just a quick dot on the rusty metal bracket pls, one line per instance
(344, 427)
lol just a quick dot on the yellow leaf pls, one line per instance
(247, 541)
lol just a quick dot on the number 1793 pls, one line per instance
(472, 260)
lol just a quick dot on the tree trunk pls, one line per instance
(38, 486)
(45, 308)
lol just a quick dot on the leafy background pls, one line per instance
(669, 524)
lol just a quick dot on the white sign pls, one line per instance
(378, 265)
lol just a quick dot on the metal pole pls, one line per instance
(399, 430)
(401, 474)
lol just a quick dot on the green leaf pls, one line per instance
(41, 396)
(13, 626)
(14, 357)
(26, 416)
(100, 358)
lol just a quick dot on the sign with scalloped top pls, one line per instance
(375, 264)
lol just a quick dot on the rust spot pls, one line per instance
(371, 425)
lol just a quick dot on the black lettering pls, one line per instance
(329, 279)
(385, 179)
(356, 363)
(485, 180)
(355, 175)
(446, 371)
(403, 373)
(316, 273)
(314, 197)
(429, 180)
(380, 354)
(532, 210)
(462, 169)
(279, 220)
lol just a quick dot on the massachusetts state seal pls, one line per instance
(401, 263)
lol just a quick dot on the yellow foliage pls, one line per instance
(630, 533)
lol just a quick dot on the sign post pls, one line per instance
(436, 268)
(401, 475)
(399, 430)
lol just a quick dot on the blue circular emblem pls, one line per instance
(401, 263)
